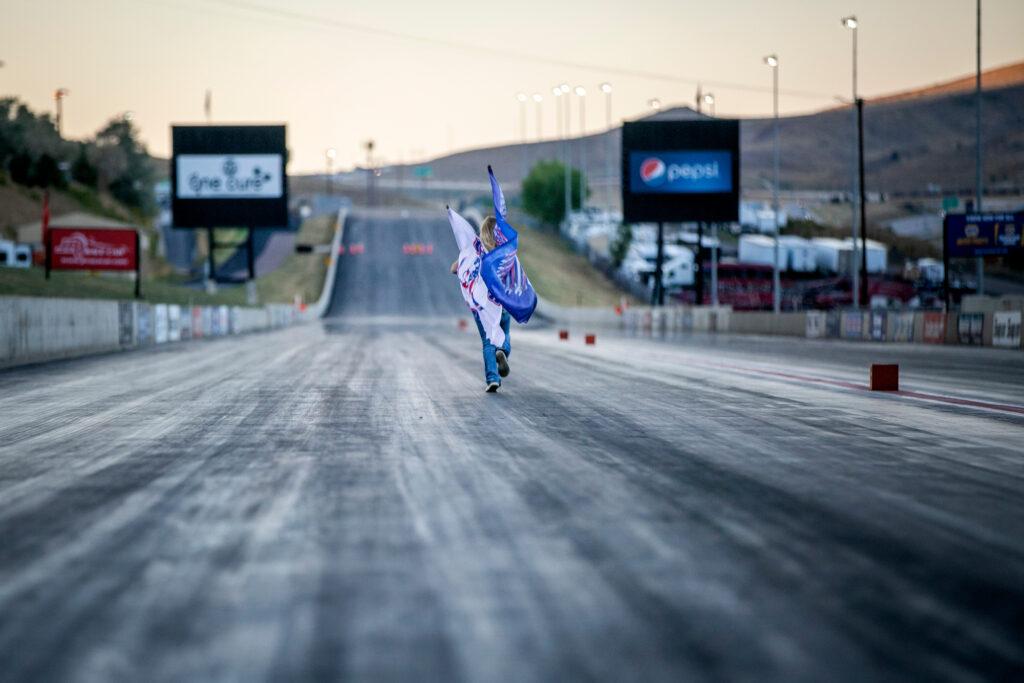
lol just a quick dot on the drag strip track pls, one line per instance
(342, 501)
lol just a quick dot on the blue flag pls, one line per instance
(502, 272)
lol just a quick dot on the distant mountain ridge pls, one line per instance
(920, 140)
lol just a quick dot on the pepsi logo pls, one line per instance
(652, 171)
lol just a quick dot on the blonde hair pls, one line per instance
(487, 232)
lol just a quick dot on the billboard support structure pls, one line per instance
(658, 295)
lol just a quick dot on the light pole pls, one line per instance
(654, 103)
(581, 93)
(522, 98)
(978, 187)
(537, 99)
(606, 88)
(58, 98)
(709, 100)
(329, 154)
(567, 112)
(773, 62)
(556, 93)
(851, 23)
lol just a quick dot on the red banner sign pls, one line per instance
(93, 249)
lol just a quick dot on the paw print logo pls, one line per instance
(258, 174)
(230, 167)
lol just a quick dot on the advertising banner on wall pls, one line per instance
(1006, 329)
(934, 328)
(229, 176)
(970, 328)
(680, 171)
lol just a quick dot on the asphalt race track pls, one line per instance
(343, 502)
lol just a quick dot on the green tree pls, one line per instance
(46, 173)
(123, 164)
(82, 170)
(544, 192)
(620, 247)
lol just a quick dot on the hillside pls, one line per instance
(913, 140)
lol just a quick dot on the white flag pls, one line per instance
(474, 291)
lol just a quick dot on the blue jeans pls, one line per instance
(490, 361)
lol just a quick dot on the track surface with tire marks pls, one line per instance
(342, 501)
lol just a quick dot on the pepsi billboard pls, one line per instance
(680, 171)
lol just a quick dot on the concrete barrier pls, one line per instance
(34, 330)
(323, 304)
(789, 324)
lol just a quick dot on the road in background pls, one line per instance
(343, 501)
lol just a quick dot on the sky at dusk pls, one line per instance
(425, 78)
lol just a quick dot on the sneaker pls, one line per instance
(503, 368)
(492, 387)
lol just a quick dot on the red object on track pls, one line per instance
(591, 339)
(463, 325)
(885, 377)
(356, 248)
(563, 335)
(341, 249)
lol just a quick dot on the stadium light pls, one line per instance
(58, 97)
(606, 88)
(850, 22)
(654, 103)
(709, 100)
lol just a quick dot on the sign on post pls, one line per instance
(983, 234)
(229, 176)
(94, 249)
(680, 171)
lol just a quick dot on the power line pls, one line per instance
(498, 52)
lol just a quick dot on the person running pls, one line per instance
(495, 357)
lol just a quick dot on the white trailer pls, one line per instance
(831, 255)
(760, 249)
(679, 271)
(799, 255)
(877, 253)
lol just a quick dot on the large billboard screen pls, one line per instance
(680, 171)
(229, 176)
(983, 234)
